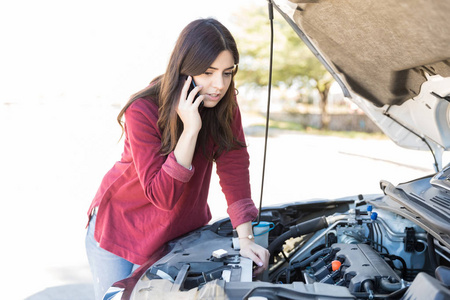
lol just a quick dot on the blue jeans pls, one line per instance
(106, 268)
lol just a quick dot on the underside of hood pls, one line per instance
(391, 57)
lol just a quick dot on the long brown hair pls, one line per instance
(197, 47)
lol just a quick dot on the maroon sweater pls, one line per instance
(147, 199)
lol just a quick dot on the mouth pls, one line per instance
(214, 96)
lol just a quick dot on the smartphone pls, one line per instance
(191, 87)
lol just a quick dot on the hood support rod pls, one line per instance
(269, 89)
(436, 164)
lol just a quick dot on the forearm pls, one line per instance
(244, 230)
(187, 111)
(185, 148)
(258, 254)
(165, 185)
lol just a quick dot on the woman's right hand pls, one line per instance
(187, 108)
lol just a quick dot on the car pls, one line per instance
(392, 58)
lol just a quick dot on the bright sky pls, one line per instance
(58, 49)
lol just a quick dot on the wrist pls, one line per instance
(250, 237)
(190, 132)
(246, 243)
(245, 232)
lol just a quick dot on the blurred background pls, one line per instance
(67, 68)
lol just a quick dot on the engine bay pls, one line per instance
(367, 252)
(361, 247)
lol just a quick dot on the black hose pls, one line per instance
(371, 235)
(300, 229)
(402, 261)
(381, 236)
(276, 244)
(388, 286)
(431, 252)
(312, 225)
(312, 258)
(368, 286)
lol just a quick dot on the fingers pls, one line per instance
(185, 88)
(190, 91)
(187, 110)
(264, 257)
(258, 270)
(261, 258)
(263, 261)
(255, 258)
(258, 254)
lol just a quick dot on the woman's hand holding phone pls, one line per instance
(191, 88)
(187, 110)
(188, 106)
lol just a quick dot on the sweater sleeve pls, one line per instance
(233, 170)
(161, 177)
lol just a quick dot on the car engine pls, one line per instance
(369, 252)
(359, 247)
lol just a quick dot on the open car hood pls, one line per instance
(392, 58)
(394, 245)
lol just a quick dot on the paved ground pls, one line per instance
(54, 156)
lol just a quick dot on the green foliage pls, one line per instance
(293, 61)
(283, 126)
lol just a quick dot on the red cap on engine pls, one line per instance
(335, 265)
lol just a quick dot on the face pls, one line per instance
(216, 79)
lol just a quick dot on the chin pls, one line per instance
(210, 104)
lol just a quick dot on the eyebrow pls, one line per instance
(230, 68)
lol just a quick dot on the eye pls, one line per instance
(208, 73)
(228, 74)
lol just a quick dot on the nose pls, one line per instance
(219, 82)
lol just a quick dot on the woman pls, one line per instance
(158, 190)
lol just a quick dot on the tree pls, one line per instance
(292, 60)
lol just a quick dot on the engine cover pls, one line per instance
(361, 267)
